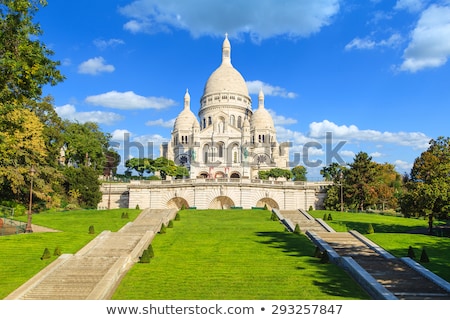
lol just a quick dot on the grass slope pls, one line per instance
(234, 254)
(20, 254)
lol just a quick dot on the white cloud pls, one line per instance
(279, 120)
(376, 154)
(347, 153)
(403, 166)
(259, 19)
(410, 5)
(161, 123)
(120, 134)
(103, 44)
(95, 66)
(129, 100)
(367, 43)
(269, 90)
(430, 40)
(69, 112)
(416, 140)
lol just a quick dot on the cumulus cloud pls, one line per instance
(280, 120)
(367, 43)
(103, 44)
(416, 140)
(69, 112)
(160, 123)
(95, 66)
(129, 101)
(259, 19)
(269, 90)
(430, 40)
(403, 166)
(410, 5)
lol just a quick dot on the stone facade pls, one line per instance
(218, 193)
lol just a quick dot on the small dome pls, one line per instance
(186, 118)
(261, 118)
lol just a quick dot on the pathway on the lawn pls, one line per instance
(388, 276)
(94, 272)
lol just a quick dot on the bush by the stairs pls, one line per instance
(46, 254)
(145, 258)
(370, 229)
(163, 229)
(170, 224)
(150, 251)
(325, 217)
(273, 217)
(177, 217)
(57, 251)
(424, 256)
(411, 253)
(329, 218)
(125, 215)
(324, 257)
(310, 208)
(137, 207)
(297, 229)
(91, 230)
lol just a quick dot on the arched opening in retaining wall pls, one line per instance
(177, 203)
(235, 175)
(221, 202)
(269, 202)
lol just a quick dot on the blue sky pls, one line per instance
(374, 73)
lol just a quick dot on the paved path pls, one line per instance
(94, 272)
(400, 277)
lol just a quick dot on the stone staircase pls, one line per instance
(94, 272)
(387, 276)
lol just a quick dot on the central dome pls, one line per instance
(226, 78)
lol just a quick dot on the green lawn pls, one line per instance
(392, 233)
(234, 254)
(20, 254)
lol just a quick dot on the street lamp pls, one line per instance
(341, 177)
(28, 228)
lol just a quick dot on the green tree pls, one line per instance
(85, 145)
(25, 64)
(428, 190)
(299, 173)
(85, 181)
(359, 180)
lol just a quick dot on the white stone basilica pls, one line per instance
(227, 139)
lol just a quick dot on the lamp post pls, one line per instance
(28, 228)
(341, 178)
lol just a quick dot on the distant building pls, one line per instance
(228, 139)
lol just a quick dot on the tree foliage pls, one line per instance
(428, 190)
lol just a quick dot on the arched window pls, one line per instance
(204, 123)
(209, 121)
(239, 123)
(233, 120)
(206, 153)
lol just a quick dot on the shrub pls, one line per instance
(411, 253)
(273, 217)
(91, 230)
(137, 207)
(170, 224)
(183, 207)
(46, 254)
(370, 229)
(163, 229)
(297, 229)
(125, 215)
(324, 257)
(424, 256)
(325, 217)
(265, 206)
(329, 217)
(311, 208)
(150, 251)
(57, 251)
(145, 258)
(177, 217)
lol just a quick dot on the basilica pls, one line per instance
(227, 139)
